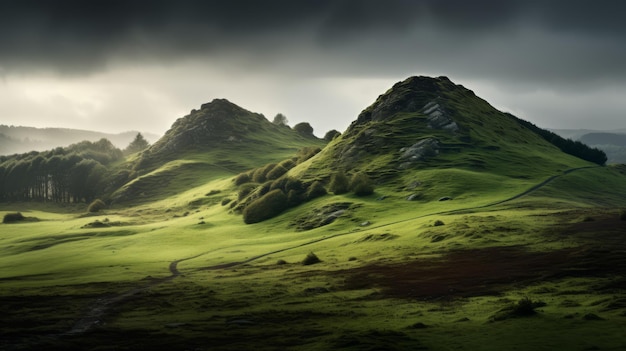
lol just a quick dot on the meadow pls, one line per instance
(486, 270)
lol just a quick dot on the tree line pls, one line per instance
(568, 146)
(65, 174)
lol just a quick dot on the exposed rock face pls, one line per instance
(398, 115)
(216, 124)
(437, 118)
(419, 151)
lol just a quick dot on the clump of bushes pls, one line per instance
(265, 207)
(13, 217)
(310, 259)
(361, 184)
(96, 205)
(339, 183)
(243, 178)
(316, 189)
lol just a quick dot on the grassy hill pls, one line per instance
(219, 140)
(527, 252)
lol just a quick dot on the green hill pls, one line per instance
(478, 233)
(219, 140)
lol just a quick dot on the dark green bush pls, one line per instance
(361, 184)
(225, 201)
(304, 128)
(331, 134)
(307, 152)
(96, 206)
(288, 164)
(260, 174)
(294, 198)
(13, 217)
(265, 207)
(339, 183)
(438, 223)
(245, 190)
(243, 178)
(316, 189)
(310, 259)
(276, 172)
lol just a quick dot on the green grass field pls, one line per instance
(397, 282)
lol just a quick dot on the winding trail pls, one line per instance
(93, 317)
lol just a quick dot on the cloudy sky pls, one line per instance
(118, 65)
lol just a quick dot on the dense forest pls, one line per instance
(71, 174)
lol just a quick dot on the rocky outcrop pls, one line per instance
(419, 151)
(437, 117)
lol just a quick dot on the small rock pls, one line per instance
(413, 197)
(445, 198)
(365, 223)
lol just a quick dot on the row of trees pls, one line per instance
(571, 147)
(71, 174)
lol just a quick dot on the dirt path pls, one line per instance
(93, 317)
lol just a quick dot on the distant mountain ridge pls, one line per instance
(21, 139)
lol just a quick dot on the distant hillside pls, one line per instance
(17, 139)
(604, 139)
(613, 143)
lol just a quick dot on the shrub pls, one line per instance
(303, 128)
(288, 164)
(225, 201)
(331, 134)
(276, 172)
(260, 174)
(13, 217)
(96, 205)
(438, 223)
(265, 207)
(339, 183)
(245, 190)
(294, 198)
(316, 189)
(310, 259)
(243, 178)
(307, 152)
(361, 184)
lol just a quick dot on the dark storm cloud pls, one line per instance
(560, 41)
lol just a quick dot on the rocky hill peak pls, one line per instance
(415, 94)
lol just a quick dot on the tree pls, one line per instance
(304, 128)
(139, 144)
(361, 184)
(339, 183)
(331, 134)
(280, 120)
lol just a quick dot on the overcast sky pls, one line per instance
(118, 65)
